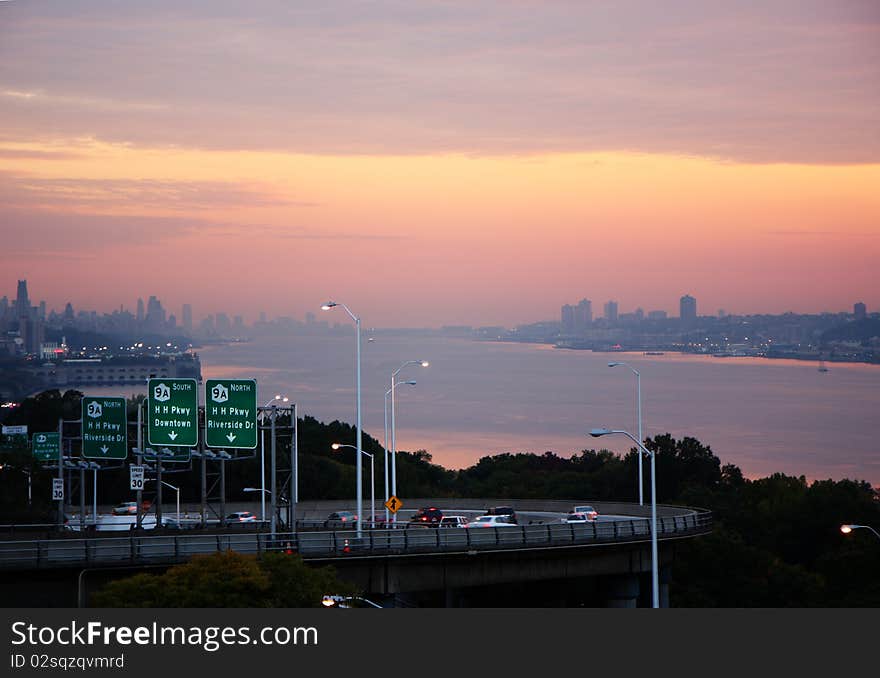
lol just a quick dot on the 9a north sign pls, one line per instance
(231, 413)
(104, 428)
(173, 412)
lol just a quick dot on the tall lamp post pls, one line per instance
(846, 529)
(423, 363)
(357, 322)
(655, 591)
(177, 490)
(641, 437)
(337, 446)
(263, 494)
(411, 382)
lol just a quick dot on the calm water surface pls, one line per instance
(481, 398)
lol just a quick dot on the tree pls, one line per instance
(227, 579)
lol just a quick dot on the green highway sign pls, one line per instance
(104, 428)
(46, 446)
(231, 413)
(13, 438)
(173, 412)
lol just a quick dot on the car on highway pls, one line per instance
(342, 517)
(428, 516)
(126, 508)
(491, 521)
(589, 510)
(240, 517)
(503, 511)
(453, 521)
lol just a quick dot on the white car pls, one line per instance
(126, 508)
(453, 521)
(240, 517)
(578, 518)
(491, 521)
(588, 510)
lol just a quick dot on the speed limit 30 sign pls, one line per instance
(136, 476)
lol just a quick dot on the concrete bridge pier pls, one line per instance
(622, 590)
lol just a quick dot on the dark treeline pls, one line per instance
(776, 540)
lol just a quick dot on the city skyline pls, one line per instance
(578, 315)
(445, 163)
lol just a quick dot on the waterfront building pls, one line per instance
(568, 319)
(687, 308)
(611, 311)
(583, 315)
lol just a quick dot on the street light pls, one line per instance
(655, 593)
(846, 529)
(176, 489)
(357, 322)
(271, 401)
(411, 382)
(423, 363)
(641, 437)
(337, 446)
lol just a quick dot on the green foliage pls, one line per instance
(227, 579)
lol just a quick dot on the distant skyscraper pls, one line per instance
(687, 308)
(140, 310)
(4, 307)
(42, 311)
(68, 314)
(568, 318)
(22, 303)
(583, 315)
(187, 318)
(222, 324)
(611, 311)
(155, 318)
(860, 311)
(656, 315)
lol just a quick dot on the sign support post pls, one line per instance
(140, 461)
(61, 472)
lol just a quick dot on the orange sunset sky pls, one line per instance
(441, 162)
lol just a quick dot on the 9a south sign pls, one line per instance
(231, 413)
(173, 412)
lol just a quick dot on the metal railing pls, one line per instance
(136, 549)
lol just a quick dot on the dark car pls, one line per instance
(342, 519)
(503, 511)
(428, 516)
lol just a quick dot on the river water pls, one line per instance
(483, 398)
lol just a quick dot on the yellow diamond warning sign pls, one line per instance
(393, 504)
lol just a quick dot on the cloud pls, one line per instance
(781, 81)
(35, 233)
(79, 193)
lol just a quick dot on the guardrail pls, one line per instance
(168, 549)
